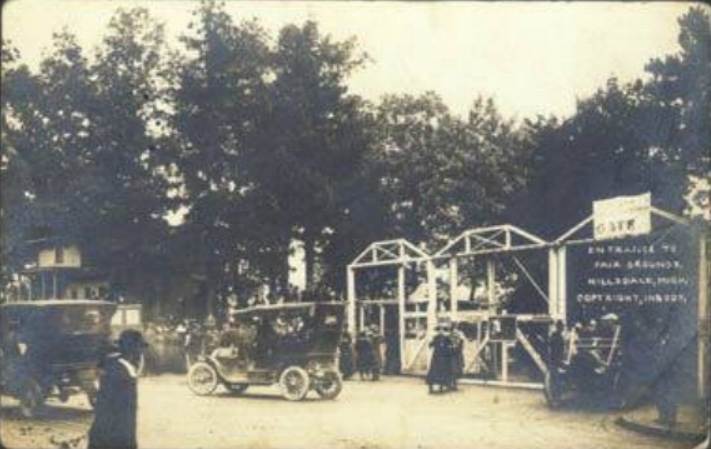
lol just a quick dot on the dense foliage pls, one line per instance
(258, 141)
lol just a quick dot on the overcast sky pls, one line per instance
(532, 57)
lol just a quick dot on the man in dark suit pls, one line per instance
(556, 357)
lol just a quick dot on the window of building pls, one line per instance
(59, 255)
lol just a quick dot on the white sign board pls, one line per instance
(622, 216)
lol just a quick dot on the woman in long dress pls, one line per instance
(345, 360)
(114, 425)
(440, 370)
(364, 355)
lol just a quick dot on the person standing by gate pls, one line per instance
(556, 354)
(392, 353)
(364, 355)
(345, 359)
(440, 370)
(457, 354)
(376, 342)
(193, 343)
(114, 425)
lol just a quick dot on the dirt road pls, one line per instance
(393, 413)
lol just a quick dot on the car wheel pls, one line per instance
(294, 382)
(329, 387)
(202, 379)
(32, 399)
(236, 388)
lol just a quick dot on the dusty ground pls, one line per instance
(393, 413)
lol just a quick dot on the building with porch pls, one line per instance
(58, 271)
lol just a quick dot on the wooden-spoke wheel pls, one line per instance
(202, 379)
(294, 382)
(329, 387)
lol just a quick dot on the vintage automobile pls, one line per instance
(591, 368)
(51, 348)
(294, 345)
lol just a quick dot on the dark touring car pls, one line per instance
(52, 348)
(293, 345)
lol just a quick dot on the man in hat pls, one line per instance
(114, 425)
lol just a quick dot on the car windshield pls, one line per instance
(284, 325)
(81, 320)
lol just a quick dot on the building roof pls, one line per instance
(54, 302)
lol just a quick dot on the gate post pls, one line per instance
(557, 283)
(562, 284)
(351, 299)
(704, 318)
(453, 283)
(491, 285)
(401, 312)
(432, 297)
(553, 283)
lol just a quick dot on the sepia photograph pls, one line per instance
(276, 224)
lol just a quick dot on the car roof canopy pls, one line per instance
(56, 304)
(276, 309)
(266, 310)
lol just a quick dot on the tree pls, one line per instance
(14, 202)
(606, 149)
(442, 174)
(439, 175)
(44, 162)
(219, 102)
(122, 184)
(87, 168)
(363, 208)
(625, 139)
(316, 138)
(681, 85)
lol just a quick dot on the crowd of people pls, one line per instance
(174, 345)
(585, 359)
(364, 356)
